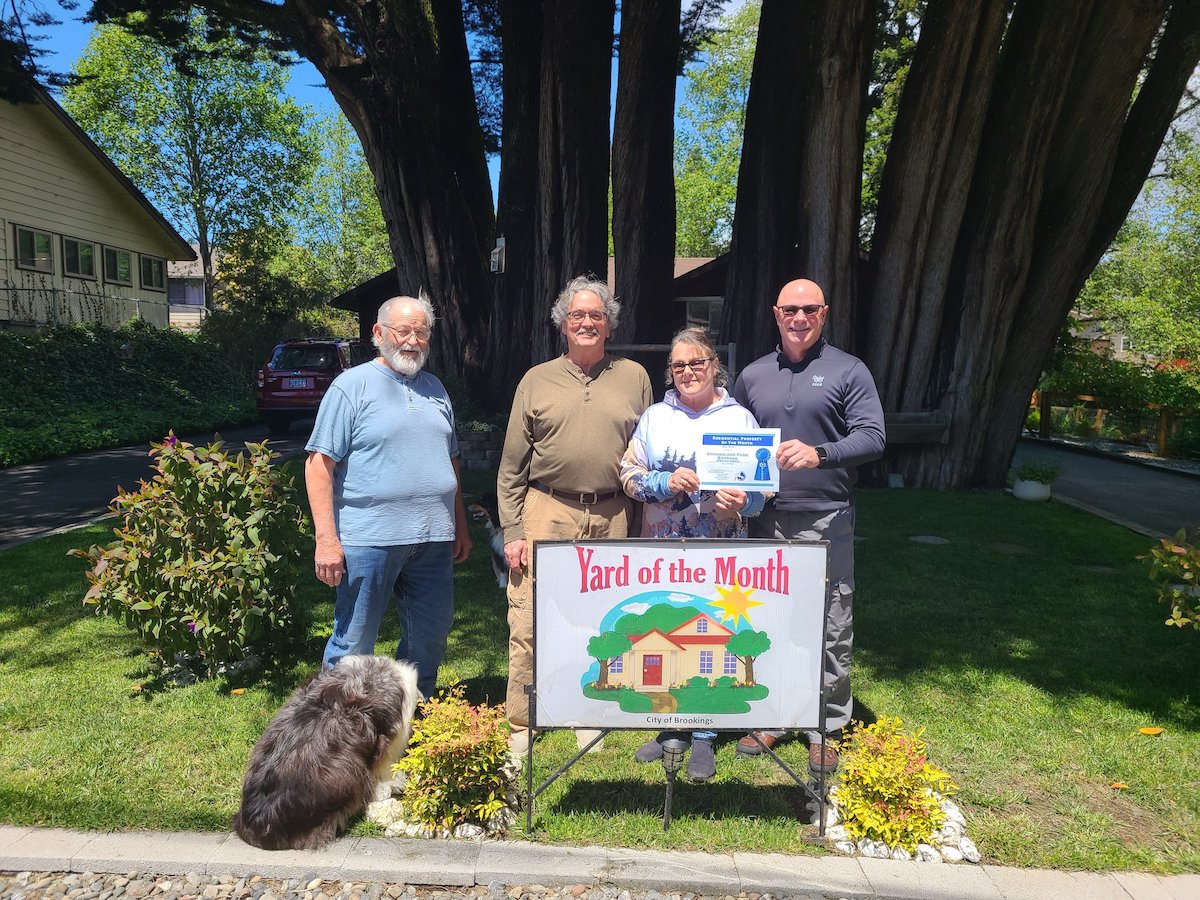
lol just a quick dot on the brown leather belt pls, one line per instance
(588, 499)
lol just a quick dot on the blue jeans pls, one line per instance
(421, 576)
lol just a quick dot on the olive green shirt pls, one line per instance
(568, 430)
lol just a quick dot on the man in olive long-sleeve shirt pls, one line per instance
(826, 404)
(559, 472)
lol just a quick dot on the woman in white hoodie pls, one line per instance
(659, 468)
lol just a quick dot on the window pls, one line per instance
(702, 626)
(118, 266)
(616, 665)
(79, 258)
(154, 273)
(706, 662)
(730, 664)
(33, 250)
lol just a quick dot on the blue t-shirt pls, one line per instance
(393, 438)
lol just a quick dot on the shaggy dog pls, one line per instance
(319, 761)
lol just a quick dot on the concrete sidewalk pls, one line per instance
(462, 864)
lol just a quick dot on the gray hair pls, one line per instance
(695, 336)
(421, 301)
(612, 309)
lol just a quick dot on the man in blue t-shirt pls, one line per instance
(386, 496)
(826, 404)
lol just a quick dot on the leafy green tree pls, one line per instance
(748, 646)
(260, 302)
(708, 145)
(340, 224)
(1147, 287)
(604, 648)
(214, 143)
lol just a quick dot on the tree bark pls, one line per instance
(572, 177)
(517, 312)
(799, 182)
(967, 335)
(392, 90)
(643, 177)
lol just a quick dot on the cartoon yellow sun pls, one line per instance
(735, 603)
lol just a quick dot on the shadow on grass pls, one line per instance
(1072, 615)
(725, 800)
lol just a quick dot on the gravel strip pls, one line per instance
(137, 885)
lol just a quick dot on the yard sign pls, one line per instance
(678, 634)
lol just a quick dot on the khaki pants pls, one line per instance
(548, 518)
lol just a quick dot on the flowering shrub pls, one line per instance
(204, 561)
(455, 763)
(887, 789)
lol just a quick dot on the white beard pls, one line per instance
(406, 363)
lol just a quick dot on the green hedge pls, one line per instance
(72, 388)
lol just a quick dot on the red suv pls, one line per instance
(292, 382)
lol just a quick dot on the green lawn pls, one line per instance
(1029, 647)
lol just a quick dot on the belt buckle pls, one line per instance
(585, 502)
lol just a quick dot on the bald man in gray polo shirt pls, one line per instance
(825, 402)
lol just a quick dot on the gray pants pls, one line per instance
(837, 528)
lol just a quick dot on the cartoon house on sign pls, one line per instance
(658, 660)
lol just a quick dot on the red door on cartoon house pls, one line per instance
(652, 669)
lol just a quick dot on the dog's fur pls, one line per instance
(487, 511)
(317, 764)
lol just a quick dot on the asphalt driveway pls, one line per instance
(41, 497)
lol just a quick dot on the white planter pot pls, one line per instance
(1030, 490)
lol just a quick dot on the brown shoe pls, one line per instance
(822, 758)
(748, 746)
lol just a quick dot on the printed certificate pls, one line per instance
(740, 459)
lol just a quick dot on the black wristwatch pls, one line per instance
(822, 456)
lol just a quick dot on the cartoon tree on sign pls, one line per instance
(746, 646)
(604, 648)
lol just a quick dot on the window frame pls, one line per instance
(706, 660)
(144, 258)
(108, 278)
(80, 242)
(33, 267)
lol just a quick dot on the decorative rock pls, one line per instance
(836, 833)
(951, 854)
(874, 849)
(953, 813)
(925, 853)
(967, 848)
(901, 854)
(846, 847)
(832, 817)
(468, 831)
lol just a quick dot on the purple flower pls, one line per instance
(172, 440)
(192, 627)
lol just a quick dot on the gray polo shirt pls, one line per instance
(829, 400)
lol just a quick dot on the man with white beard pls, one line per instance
(386, 495)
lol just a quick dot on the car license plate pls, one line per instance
(297, 384)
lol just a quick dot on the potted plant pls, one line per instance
(1034, 477)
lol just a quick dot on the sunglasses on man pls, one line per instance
(789, 312)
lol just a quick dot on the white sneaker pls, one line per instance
(584, 736)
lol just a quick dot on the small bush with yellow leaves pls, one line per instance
(455, 763)
(888, 790)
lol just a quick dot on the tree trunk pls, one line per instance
(749, 661)
(519, 319)
(603, 682)
(643, 168)
(970, 289)
(406, 121)
(799, 183)
(572, 178)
